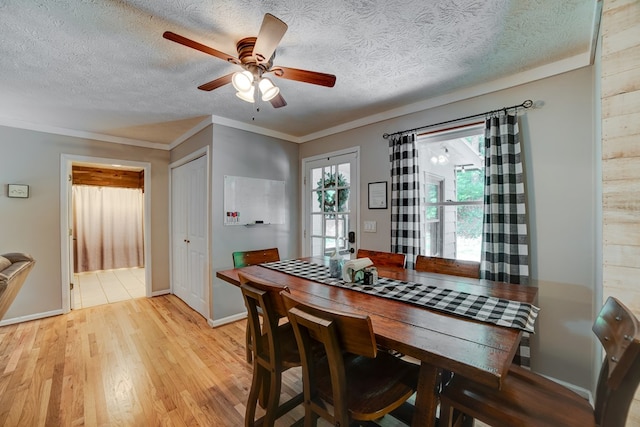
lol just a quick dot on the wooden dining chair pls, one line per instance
(360, 383)
(274, 349)
(453, 267)
(383, 259)
(528, 399)
(244, 259)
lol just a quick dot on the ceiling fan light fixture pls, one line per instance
(242, 80)
(268, 89)
(247, 95)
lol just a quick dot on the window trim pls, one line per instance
(425, 142)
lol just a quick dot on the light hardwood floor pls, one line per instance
(141, 362)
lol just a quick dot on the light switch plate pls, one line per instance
(369, 226)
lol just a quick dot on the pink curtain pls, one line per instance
(108, 226)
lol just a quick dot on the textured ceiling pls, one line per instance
(102, 66)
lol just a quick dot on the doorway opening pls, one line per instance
(105, 218)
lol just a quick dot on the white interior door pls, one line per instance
(71, 245)
(331, 205)
(190, 266)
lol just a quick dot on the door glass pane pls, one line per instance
(316, 201)
(316, 178)
(330, 200)
(316, 225)
(317, 248)
(344, 172)
(344, 184)
(330, 176)
(330, 226)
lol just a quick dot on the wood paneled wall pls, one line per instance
(620, 81)
(84, 175)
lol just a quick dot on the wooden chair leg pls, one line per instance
(310, 417)
(273, 398)
(450, 417)
(252, 401)
(248, 346)
(467, 421)
(263, 397)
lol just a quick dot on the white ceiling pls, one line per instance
(102, 66)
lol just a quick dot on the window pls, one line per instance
(432, 188)
(452, 184)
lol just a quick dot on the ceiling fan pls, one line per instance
(255, 56)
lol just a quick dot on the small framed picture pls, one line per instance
(378, 195)
(18, 190)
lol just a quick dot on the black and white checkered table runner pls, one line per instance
(499, 311)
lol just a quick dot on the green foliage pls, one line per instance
(327, 183)
(470, 184)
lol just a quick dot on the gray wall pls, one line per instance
(559, 143)
(240, 153)
(33, 225)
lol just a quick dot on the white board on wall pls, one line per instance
(253, 201)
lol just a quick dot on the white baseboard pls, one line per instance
(583, 392)
(226, 320)
(35, 316)
(158, 293)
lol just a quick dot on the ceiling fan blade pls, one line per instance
(312, 77)
(215, 84)
(271, 32)
(278, 101)
(198, 46)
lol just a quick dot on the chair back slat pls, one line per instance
(453, 267)
(617, 329)
(383, 259)
(342, 367)
(274, 349)
(354, 331)
(272, 290)
(246, 258)
(262, 298)
(312, 329)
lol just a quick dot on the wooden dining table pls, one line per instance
(440, 341)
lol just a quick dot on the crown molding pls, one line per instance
(20, 124)
(549, 70)
(545, 71)
(252, 128)
(188, 134)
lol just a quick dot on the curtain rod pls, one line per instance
(526, 104)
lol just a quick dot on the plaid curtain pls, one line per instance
(505, 246)
(405, 197)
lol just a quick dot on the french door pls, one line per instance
(331, 204)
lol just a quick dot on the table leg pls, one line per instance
(426, 397)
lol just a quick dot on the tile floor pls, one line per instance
(106, 286)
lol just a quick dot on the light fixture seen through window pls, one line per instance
(441, 159)
(244, 83)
